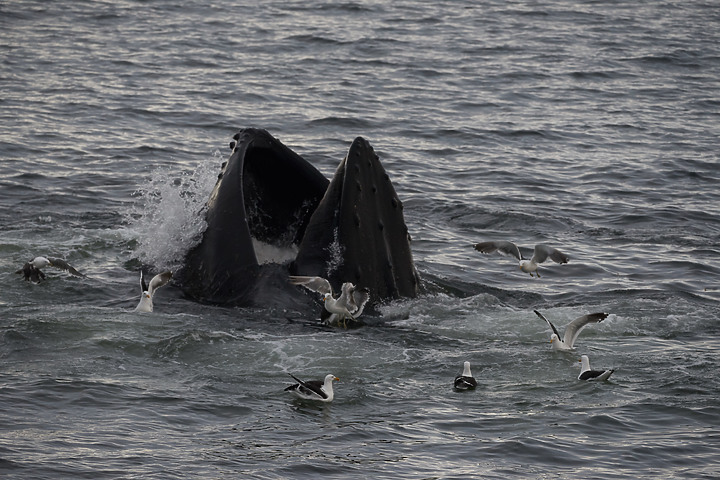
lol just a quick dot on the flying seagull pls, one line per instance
(314, 389)
(146, 302)
(541, 253)
(349, 304)
(466, 380)
(31, 270)
(586, 373)
(572, 330)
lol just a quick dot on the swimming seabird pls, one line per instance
(146, 303)
(586, 373)
(314, 389)
(349, 304)
(466, 380)
(572, 330)
(541, 253)
(31, 270)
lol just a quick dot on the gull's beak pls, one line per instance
(336, 379)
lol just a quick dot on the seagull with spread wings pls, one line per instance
(540, 254)
(31, 270)
(146, 299)
(566, 341)
(349, 304)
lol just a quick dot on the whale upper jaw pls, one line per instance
(358, 233)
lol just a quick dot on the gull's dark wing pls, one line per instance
(549, 323)
(159, 280)
(501, 246)
(543, 252)
(312, 385)
(63, 265)
(572, 331)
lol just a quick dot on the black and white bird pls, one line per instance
(146, 298)
(566, 341)
(321, 391)
(586, 373)
(541, 253)
(349, 304)
(465, 381)
(32, 273)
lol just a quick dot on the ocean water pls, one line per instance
(591, 126)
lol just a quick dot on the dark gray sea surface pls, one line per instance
(590, 126)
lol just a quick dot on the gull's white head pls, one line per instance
(585, 361)
(554, 338)
(527, 266)
(466, 370)
(327, 386)
(40, 262)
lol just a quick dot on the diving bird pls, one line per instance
(321, 391)
(572, 330)
(466, 380)
(349, 304)
(31, 270)
(586, 373)
(541, 253)
(146, 302)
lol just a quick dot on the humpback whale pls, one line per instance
(349, 229)
(360, 219)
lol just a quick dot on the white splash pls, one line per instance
(169, 216)
(335, 250)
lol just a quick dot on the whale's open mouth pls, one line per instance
(280, 194)
(270, 204)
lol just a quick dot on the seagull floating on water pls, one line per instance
(466, 380)
(586, 373)
(541, 253)
(31, 270)
(146, 303)
(321, 391)
(572, 330)
(349, 304)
